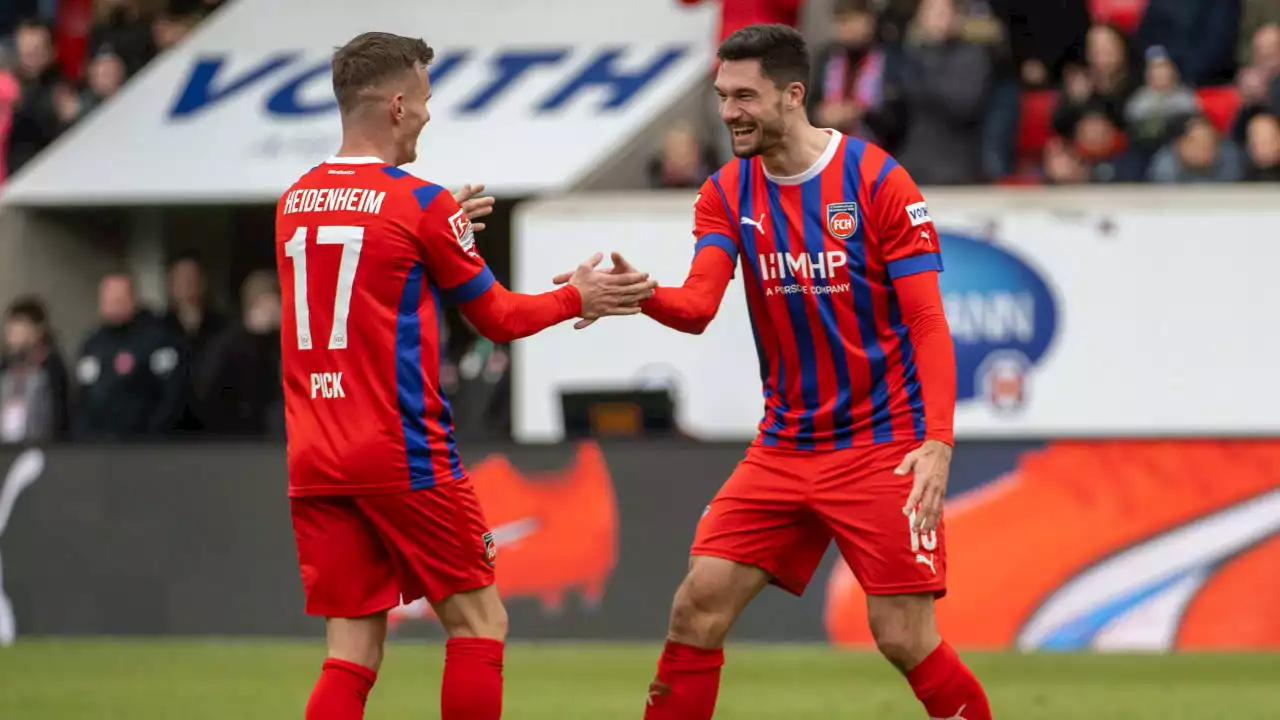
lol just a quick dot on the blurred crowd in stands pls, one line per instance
(962, 91)
(1060, 92)
(191, 370)
(59, 59)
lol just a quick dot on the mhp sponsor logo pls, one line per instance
(293, 84)
(1003, 318)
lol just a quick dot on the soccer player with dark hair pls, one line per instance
(383, 510)
(840, 261)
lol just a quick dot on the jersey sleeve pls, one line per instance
(907, 237)
(448, 246)
(713, 224)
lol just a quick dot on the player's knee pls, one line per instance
(476, 614)
(700, 615)
(904, 634)
(358, 640)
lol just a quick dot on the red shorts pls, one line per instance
(364, 554)
(781, 508)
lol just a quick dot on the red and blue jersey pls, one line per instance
(819, 253)
(367, 256)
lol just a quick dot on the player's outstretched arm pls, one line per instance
(503, 316)
(688, 308)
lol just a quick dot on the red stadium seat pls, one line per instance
(1124, 14)
(1220, 105)
(1034, 125)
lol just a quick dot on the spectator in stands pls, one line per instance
(131, 372)
(35, 123)
(1200, 35)
(1044, 35)
(1263, 163)
(684, 162)
(1198, 156)
(1258, 83)
(33, 378)
(1159, 110)
(124, 28)
(1265, 50)
(192, 317)
(1063, 165)
(170, 28)
(1255, 15)
(848, 88)
(1003, 104)
(896, 17)
(238, 382)
(105, 77)
(737, 14)
(191, 313)
(945, 82)
(479, 385)
(1106, 79)
(1102, 147)
(10, 96)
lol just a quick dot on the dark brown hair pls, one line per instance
(781, 50)
(371, 58)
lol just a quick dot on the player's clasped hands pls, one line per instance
(617, 291)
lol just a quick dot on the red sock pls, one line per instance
(472, 680)
(341, 691)
(687, 683)
(947, 688)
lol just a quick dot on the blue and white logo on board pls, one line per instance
(1003, 318)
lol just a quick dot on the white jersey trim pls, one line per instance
(354, 161)
(815, 169)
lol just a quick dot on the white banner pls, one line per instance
(528, 97)
(1074, 313)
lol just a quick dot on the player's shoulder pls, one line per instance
(404, 190)
(877, 168)
(417, 193)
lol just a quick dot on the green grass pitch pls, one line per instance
(257, 680)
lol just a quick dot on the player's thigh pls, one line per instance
(760, 517)
(860, 499)
(718, 586)
(437, 537)
(346, 570)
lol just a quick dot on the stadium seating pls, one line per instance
(1220, 105)
(1124, 14)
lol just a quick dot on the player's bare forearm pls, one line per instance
(922, 311)
(504, 316)
(692, 306)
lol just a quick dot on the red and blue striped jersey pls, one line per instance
(819, 254)
(367, 254)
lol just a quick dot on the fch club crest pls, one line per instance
(842, 219)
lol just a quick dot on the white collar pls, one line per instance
(354, 161)
(814, 170)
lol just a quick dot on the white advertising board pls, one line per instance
(1093, 312)
(528, 97)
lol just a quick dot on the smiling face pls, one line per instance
(751, 107)
(761, 85)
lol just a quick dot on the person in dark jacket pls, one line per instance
(193, 317)
(1263, 149)
(131, 372)
(1200, 36)
(945, 82)
(33, 377)
(238, 384)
